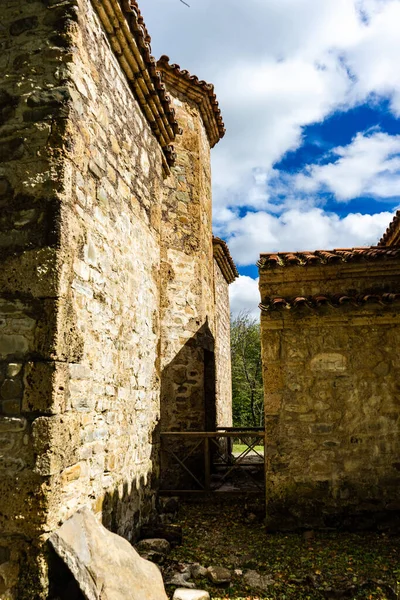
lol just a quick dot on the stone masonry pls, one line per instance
(195, 346)
(225, 272)
(107, 275)
(330, 329)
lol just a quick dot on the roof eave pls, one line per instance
(391, 237)
(200, 92)
(130, 41)
(224, 260)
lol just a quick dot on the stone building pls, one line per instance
(114, 314)
(330, 325)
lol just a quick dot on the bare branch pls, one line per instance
(185, 3)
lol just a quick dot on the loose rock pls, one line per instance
(180, 577)
(257, 581)
(103, 563)
(155, 550)
(219, 575)
(182, 594)
(172, 533)
(198, 571)
(153, 545)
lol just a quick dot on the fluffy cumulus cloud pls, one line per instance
(244, 296)
(279, 66)
(295, 229)
(370, 166)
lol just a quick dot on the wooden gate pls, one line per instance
(229, 460)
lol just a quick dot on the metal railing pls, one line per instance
(229, 459)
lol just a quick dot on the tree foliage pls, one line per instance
(247, 384)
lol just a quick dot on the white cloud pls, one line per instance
(370, 165)
(301, 230)
(278, 66)
(373, 57)
(244, 296)
(267, 106)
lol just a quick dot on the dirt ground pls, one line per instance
(312, 565)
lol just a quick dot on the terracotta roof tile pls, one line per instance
(392, 234)
(131, 41)
(200, 92)
(326, 257)
(335, 301)
(224, 260)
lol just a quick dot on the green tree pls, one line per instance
(247, 384)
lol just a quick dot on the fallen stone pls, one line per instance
(172, 533)
(154, 545)
(219, 575)
(181, 580)
(157, 556)
(198, 571)
(261, 583)
(105, 565)
(182, 594)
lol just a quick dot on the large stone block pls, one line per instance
(104, 564)
(56, 442)
(45, 387)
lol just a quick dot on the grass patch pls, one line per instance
(239, 448)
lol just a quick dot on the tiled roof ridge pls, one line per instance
(224, 259)
(130, 40)
(128, 6)
(334, 301)
(392, 232)
(212, 116)
(323, 257)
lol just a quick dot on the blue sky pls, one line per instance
(310, 93)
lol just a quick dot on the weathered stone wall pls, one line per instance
(223, 350)
(111, 234)
(34, 104)
(86, 221)
(187, 289)
(80, 180)
(332, 400)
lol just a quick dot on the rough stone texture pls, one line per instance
(332, 400)
(223, 350)
(105, 565)
(258, 582)
(83, 243)
(34, 103)
(111, 233)
(154, 544)
(188, 328)
(198, 571)
(188, 310)
(219, 575)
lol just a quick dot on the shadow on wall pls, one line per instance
(188, 385)
(132, 504)
(188, 403)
